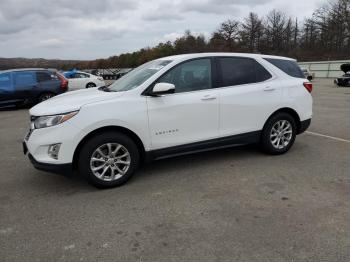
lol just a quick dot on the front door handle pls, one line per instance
(208, 97)
(269, 88)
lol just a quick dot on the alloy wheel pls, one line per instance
(281, 134)
(109, 162)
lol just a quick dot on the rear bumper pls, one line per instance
(342, 82)
(61, 169)
(304, 125)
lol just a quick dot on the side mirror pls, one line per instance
(162, 89)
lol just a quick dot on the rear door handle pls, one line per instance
(208, 97)
(269, 88)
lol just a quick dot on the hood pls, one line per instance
(345, 68)
(72, 101)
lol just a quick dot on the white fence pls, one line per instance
(324, 69)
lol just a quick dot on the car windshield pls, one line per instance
(138, 76)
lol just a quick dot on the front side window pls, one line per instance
(290, 67)
(24, 79)
(138, 76)
(5, 82)
(190, 76)
(240, 71)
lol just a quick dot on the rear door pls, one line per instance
(248, 95)
(25, 85)
(6, 90)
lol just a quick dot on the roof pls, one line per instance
(196, 55)
(27, 69)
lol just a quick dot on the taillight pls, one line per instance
(64, 82)
(308, 86)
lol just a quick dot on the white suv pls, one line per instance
(170, 106)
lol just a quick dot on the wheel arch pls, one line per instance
(45, 92)
(291, 112)
(119, 129)
(90, 82)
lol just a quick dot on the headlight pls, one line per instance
(47, 121)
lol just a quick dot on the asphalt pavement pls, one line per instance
(226, 205)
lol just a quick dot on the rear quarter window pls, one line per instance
(290, 67)
(44, 76)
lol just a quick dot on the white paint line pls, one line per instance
(330, 137)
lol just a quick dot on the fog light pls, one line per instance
(53, 150)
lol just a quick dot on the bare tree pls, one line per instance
(275, 25)
(251, 32)
(229, 32)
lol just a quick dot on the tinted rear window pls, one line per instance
(43, 76)
(239, 71)
(290, 67)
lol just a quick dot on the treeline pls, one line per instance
(324, 36)
(9, 63)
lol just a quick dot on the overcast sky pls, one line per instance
(82, 29)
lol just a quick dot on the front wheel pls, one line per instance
(278, 134)
(108, 160)
(45, 96)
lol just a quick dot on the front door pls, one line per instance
(189, 115)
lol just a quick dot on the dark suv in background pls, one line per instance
(20, 87)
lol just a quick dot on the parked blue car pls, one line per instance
(20, 87)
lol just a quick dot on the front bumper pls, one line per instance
(37, 142)
(61, 169)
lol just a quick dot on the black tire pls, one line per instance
(266, 140)
(90, 85)
(45, 96)
(90, 147)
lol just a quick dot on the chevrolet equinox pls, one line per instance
(170, 106)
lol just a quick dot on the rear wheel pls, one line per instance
(278, 134)
(108, 160)
(90, 85)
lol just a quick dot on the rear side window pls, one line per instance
(290, 67)
(5, 81)
(24, 79)
(43, 76)
(240, 71)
